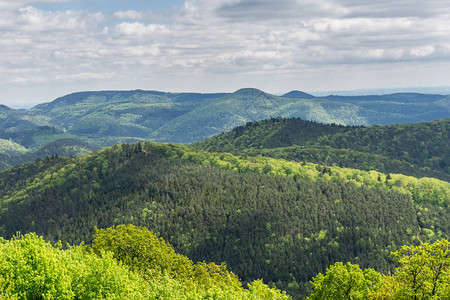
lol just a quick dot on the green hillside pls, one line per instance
(105, 118)
(109, 117)
(21, 146)
(266, 218)
(36, 137)
(13, 120)
(418, 149)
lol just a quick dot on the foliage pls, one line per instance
(34, 269)
(31, 268)
(424, 273)
(419, 149)
(266, 218)
(345, 282)
(423, 190)
(143, 252)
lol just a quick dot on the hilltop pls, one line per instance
(418, 149)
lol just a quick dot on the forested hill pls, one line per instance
(25, 145)
(105, 118)
(108, 117)
(266, 218)
(418, 149)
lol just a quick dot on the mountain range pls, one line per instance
(91, 120)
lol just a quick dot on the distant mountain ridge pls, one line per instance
(104, 118)
(108, 117)
(298, 94)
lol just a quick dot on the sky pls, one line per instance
(50, 48)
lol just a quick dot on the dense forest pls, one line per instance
(265, 218)
(124, 262)
(127, 262)
(417, 149)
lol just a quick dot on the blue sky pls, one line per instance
(54, 47)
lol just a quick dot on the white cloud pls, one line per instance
(129, 14)
(237, 41)
(422, 51)
(396, 8)
(139, 29)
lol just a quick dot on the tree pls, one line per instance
(142, 251)
(424, 271)
(345, 282)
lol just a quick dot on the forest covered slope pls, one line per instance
(266, 218)
(418, 149)
(281, 199)
(105, 118)
(109, 117)
(18, 147)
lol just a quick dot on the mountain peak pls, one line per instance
(298, 94)
(248, 92)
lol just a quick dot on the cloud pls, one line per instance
(129, 14)
(139, 29)
(15, 4)
(31, 19)
(235, 41)
(266, 10)
(397, 8)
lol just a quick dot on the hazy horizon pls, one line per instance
(356, 92)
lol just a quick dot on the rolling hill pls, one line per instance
(109, 117)
(266, 218)
(106, 118)
(418, 149)
(21, 146)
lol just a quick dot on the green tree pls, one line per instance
(31, 268)
(424, 271)
(142, 251)
(345, 282)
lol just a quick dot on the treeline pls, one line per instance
(419, 149)
(347, 158)
(272, 219)
(124, 262)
